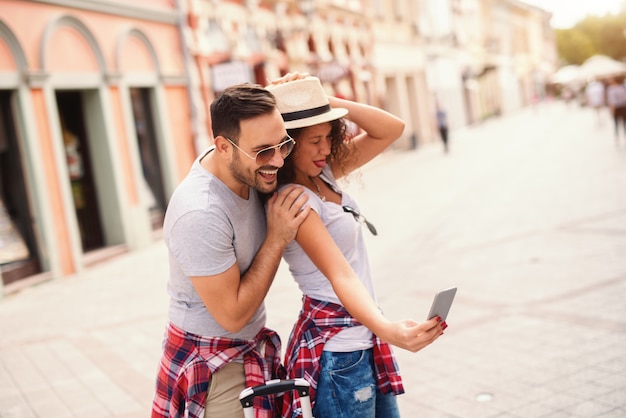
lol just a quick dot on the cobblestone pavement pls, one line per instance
(526, 216)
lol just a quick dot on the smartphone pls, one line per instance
(441, 303)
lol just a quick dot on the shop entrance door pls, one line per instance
(79, 167)
(152, 182)
(19, 256)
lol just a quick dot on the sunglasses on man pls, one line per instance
(266, 154)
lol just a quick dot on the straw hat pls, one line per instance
(304, 103)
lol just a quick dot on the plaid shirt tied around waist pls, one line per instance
(317, 323)
(189, 360)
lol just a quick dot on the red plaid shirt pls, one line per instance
(189, 360)
(318, 322)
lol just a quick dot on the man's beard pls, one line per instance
(247, 177)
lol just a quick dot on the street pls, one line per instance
(526, 216)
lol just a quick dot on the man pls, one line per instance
(224, 251)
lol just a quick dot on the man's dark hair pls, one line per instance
(238, 103)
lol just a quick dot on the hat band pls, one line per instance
(308, 113)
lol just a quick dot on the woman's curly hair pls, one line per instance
(340, 150)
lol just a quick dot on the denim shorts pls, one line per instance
(347, 388)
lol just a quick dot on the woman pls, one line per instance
(340, 343)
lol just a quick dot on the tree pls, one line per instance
(593, 35)
(612, 40)
(574, 46)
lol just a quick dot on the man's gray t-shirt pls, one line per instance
(207, 229)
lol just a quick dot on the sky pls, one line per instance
(566, 13)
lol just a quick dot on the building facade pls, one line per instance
(94, 111)
(485, 58)
(399, 62)
(104, 104)
(259, 40)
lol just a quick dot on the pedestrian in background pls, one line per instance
(616, 99)
(340, 342)
(224, 252)
(594, 93)
(442, 126)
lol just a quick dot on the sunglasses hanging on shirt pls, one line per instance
(361, 219)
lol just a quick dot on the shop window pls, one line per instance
(80, 170)
(152, 181)
(18, 250)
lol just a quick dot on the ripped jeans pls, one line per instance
(347, 388)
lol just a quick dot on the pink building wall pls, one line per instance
(123, 51)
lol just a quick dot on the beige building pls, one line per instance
(399, 63)
(485, 57)
(259, 40)
(475, 58)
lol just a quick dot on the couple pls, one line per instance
(226, 229)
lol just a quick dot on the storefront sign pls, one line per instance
(331, 72)
(230, 73)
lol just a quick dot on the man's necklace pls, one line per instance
(317, 189)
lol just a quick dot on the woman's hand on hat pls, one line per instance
(290, 77)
